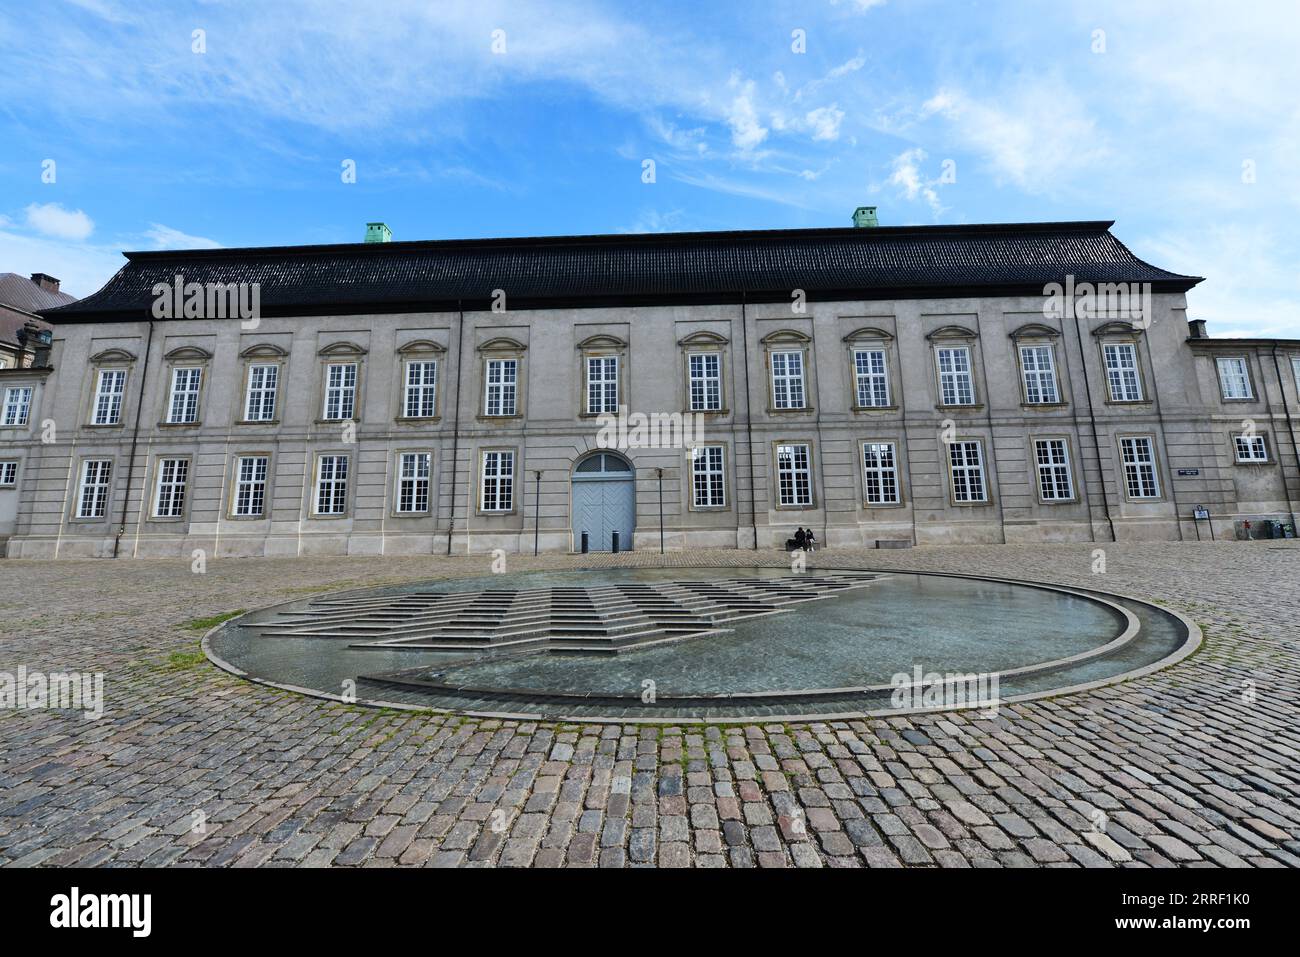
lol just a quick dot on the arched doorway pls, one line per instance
(604, 502)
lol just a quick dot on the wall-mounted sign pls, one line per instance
(1185, 472)
(1200, 512)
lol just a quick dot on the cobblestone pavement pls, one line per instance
(1196, 765)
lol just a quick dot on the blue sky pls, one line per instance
(1179, 120)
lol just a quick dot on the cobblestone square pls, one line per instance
(1196, 765)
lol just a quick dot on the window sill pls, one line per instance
(1130, 402)
(1044, 406)
(417, 419)
(354, 419)
(875, 408)
(180, 425)
(803, 410)
(258, 422)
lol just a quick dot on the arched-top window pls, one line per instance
(603, 462)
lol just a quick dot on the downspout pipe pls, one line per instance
(135, 441)
(455, 422)
(1290, 430)
(1092, 419)
(749, 421)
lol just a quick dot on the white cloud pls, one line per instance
(825, 122)
(164, 237)
(82, 268)
(906, 175)
(52, 219)
(746, 131)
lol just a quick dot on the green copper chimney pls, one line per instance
(864, 217)
(378, 233)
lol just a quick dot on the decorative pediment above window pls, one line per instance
(188, 354)
(343, 350)
(601, 341)
(786, 337)
(1035, 330)
(421, 347)
(112, 355)
(703, 338)
(264, 350)
(1122, 329)
(869, 334)
(953, 332)
(503, 344)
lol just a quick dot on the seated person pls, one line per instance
(810, 540)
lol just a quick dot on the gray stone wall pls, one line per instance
(1182, 409)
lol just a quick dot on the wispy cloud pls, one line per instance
(51, 219)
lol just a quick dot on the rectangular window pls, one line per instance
(250, 484)
(1251, 449)
(498, 482)
(1295, 371)
(956, 384)
(794, 475)
(17, 405)
(787, 380)
(92, 495)
(1039, 371)
(1052, 456)
(966, 460)
(1140, 479)
(1122, 372)
(421, 397)
(8, 474)
(1234, 379)
(872, 378)
(340, 390)
(502, 383)
(169, 500)
(602, 384)
(184, 403)
(110, 387)
(259, 404)
(706, 381)
(880, 473)
(708, 478)
(331, 485)
(413, 482)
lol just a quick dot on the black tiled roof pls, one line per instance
(763, 265)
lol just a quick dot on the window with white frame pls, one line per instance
(602, 384)
(420, 399)
(17, 405)
(497, 484)
(499, 398)
(183, 405)
(340, 390)
(794, 475)
(1052, 459)
(413, 482)
(1295, 371)
(1234, 378)
(966, 462)
(8, 473)
(1122, 377)
(263, 383)
(250, 485)
(708, 476)
(169, 497)
(880, 473)
(331, 485)
(1039, 372)
(92, 493)
(1139, 459)
(1251, 448)
(956, 383)
(787, 380)
(705, 381)
(871, 374)
(110, 386)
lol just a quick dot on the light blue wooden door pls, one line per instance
(604, 502)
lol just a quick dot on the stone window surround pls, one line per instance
(899, 475)
(150, 513)
(184, 357)
(689, 473)
(17, 463)
(480, 457)
(1158, 469)
(1121, 333)
(704, 342)
(788, 340)
(502, 347)
(599, 346)
(985, 472)
(396, 459)
(74, 503)
(1268, 458)
(340, 353)
(1071, 464)
(110, 360)
(262, 354)
(420, 350)
(952, 337)
(1251, 385)
(775, 476)
(1039, 334)
(349, 495)
(232, 476)
(875, 339)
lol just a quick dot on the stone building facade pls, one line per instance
(899, 385)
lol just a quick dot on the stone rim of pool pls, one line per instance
(1147, 638)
